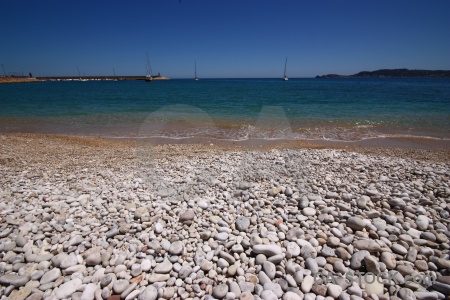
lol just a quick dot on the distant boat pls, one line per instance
(148, 77)
(115, 76)
(285, 78)
(196, 78)
(79, 75)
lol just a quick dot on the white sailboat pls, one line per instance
(79, 75)
(148, 77)
(285, 78)
(196, 78)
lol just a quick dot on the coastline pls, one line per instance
(414, 148)
(99, 216)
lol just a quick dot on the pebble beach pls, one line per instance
(98, 219)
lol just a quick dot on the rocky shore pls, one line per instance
(92, 219)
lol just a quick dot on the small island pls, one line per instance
(403, 73)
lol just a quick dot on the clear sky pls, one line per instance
(228, 38)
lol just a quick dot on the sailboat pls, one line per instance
(285, 78)
(196, 78)
(148, 77)
(79, 75)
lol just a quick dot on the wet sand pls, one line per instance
(42, 146)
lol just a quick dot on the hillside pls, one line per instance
(393, 73)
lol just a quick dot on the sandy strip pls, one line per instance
(72, 150)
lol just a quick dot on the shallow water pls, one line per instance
(235, 109)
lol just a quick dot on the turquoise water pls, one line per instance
(335, 109)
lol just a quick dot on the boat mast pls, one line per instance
(195, 78)
(149, 75)
(79, 75)
(285, 76)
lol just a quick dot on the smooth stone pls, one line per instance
(358, 258)
(50, 276)
(221, 236)
(399, 249)
(442, 287)
(276, 259)
(158, 277)
(187, 217)
(334, 290)
(267, 250)
(421, 265)
(120, 285)
(202, 204)
(426, 295)
(106, 280)
(292, 249)
(134, 295)
(372, 284)
(339, 267)
(89, 292)
(405, 293)
(15, 280)
(309, 211)
(164, 267)
(343, 254)
(176, 248)
(270, 269)
(307, 284)
(246, 296)
(220, 291)
(228, 257)
(356, 223)
(158, 228)
(69, 261)
(291, 296)
(268, 295)
(311, 264)
(369, 245)
(128, 290)
(362, 201)
(422, 222)
(21, 241)
(389, 260)
(242, 223)
(66, 290)
(444, 279)
(246, 287)
(308, 250)
(146, 265)
(372, 264)
(140, 212)
(112, 233)
(327, 251)
(294, 234)
(185, 271)
(149, 293)
(57, 259)
(235, 289)
(274, 191)
(206, 265)
(93, 259)
(274, 287)
(43, 257)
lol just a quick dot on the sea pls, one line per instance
(341, 109)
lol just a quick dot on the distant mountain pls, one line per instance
(394, 73)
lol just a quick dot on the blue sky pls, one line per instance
(233, 38)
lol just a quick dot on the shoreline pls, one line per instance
(85, 218)
(412, 148)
